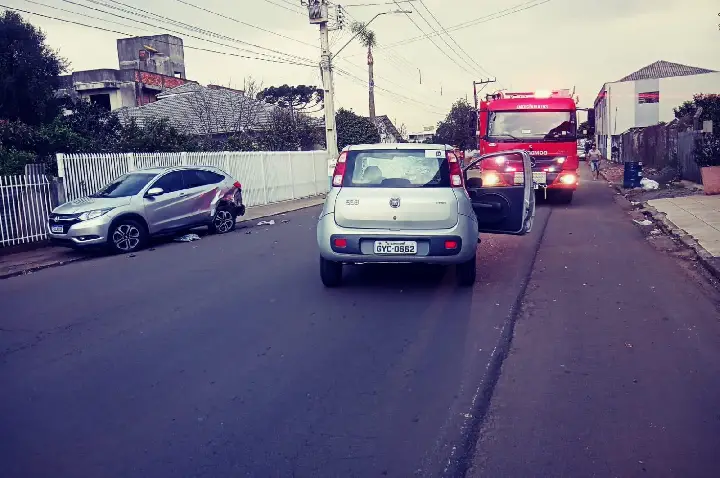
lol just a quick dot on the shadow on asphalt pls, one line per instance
(383, 276)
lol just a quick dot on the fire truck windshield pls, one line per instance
(531, 126)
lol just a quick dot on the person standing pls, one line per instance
(594, 157)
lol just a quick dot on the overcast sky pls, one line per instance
(537, 44)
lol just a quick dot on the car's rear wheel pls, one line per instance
(330, 272)
(466, 272)
(127, 235)
(223, 221)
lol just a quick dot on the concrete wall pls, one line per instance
(674, 91)
(169, 60)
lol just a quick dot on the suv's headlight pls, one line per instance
(87, 215)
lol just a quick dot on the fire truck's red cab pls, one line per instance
(544, 124)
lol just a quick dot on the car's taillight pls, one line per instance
(339, 172)
(237, 185)
(340, 242)
(456, 175)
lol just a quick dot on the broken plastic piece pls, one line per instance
(187, 238)
(644, 222)
(271, 222)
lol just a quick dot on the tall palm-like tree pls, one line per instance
(368, 39)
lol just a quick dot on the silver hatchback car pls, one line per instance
(415, 203)
(149, 202)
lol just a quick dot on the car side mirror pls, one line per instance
(153, 192)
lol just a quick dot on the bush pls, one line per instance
(707, 150)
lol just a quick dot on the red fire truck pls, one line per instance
(545, 124)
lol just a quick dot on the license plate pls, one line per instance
(395, 247)
(56, 229)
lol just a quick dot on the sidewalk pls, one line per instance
(30, 261)
(614, 361)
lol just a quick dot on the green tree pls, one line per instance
(710, 105)
(368, 39)
(354, 129)
(288, 131)
(686, 109)
(299, 98)
(29, 71)
(459, 127)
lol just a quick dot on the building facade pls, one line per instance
(647, 97)
(424, 136)
(148, 66)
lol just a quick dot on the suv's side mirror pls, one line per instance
(152, 192)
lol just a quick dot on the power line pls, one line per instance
(109, 30)
(376, 4)
(431, 40)
(185, 26)
(283, 7)
(478, 21)
(362, 82)
(246, 24)
(422, 2)
(86, 16)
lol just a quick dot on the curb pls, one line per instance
(86, 258)
(710, 263)
(44, 266)
(293, 209)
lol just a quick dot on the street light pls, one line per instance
(365, 26)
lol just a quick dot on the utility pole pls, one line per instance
(484, 83)
(475, 90)
(318, 14)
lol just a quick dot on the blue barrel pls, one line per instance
(632, 175)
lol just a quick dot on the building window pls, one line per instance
(649, 97)
(102, 100)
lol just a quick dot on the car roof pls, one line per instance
(164, 169)
(376, 146)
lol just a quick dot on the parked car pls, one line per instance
(581, 149)
(415, 203)
(149, 202)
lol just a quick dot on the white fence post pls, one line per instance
(130, 161)
(314, 173)
(264, 178)
(61, 164)
(292, 176)
(183, 159)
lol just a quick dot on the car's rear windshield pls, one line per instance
(400, 168)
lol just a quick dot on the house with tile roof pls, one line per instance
(647, 97)
(204, 110)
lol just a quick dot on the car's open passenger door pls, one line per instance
(500, 186)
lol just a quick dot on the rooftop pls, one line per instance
(197, 109)
(665, 69)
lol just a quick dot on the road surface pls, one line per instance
(227, 357)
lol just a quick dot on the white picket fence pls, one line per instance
(25, 203)
(266, 177)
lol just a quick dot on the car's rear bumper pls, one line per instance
(430, 243)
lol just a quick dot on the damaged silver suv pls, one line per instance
(149, 202)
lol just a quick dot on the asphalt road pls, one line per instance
(227, 357)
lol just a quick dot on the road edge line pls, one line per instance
(463, 463)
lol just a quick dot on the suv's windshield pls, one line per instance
(531, 125)
(127, 185)
(402, 168)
